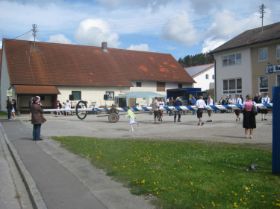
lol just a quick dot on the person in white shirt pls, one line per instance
(238, 102)
(67, 108)
(265, 100)
(200, 104)
(155, 109)
(210, 102)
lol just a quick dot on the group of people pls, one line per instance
(246, 106)
(67, 108)
(249, 110)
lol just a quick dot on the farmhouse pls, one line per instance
(99, 75)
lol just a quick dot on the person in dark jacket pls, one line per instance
(37, 118)
(178, 112)
(9, 108)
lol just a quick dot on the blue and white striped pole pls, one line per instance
(276, 131)
(170, 108)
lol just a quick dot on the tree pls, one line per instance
(198, 59)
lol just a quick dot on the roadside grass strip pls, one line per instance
(183, 175)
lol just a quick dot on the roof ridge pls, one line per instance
(83, 45)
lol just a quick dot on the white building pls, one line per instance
(203, 75)
(99, 75)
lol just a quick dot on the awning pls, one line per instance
(142, 94)
(26, 89)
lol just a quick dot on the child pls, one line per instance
(132, 118)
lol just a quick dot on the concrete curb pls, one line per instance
(33, 192)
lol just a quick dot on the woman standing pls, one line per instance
(249, 120)
(37, 118)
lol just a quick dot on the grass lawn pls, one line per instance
(185, 174)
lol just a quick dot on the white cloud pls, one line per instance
(59, 38)
(133, 3)
(211, 43)
(226, 24)
(180, 29)
(96, 31)
(139, 47)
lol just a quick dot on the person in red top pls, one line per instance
(249, 119)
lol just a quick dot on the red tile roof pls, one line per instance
(77, 65)
(23, 89)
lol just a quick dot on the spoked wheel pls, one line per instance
(113, 117)
(81, 110)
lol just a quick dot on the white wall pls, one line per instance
(95, 95)
(243, 71)
(91, 94)
(152, 86)
(202, 82)
(5, 81)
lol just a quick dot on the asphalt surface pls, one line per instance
(58, 179)
(224, 128)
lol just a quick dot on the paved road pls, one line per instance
(223, 128)
(65, 180)
(13, 194)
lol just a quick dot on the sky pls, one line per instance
(176, 27)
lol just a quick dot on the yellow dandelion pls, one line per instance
(277, 204)
(235, 205)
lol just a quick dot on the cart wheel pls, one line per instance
(80, 110)
(113, 117)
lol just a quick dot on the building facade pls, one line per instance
(242, 63)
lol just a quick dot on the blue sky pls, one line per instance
(177, 27)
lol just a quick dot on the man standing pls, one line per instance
(9, 108)
(200, 104)
(177, 111)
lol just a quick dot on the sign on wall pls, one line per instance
(272, 69)
(9, 92)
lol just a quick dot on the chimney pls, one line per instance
(104, 46)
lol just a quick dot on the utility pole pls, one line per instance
(262, 7)
(34, 31)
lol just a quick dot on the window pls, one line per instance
(138, 84)
(110, 95)
(180, 85)
(76, 95)
(232, 59)
(160, 86)
(263, 84)
(232, 86)
(206, 76)
(225, 86)
(263, 54)
(213, 77)
(278, 80)
(278, 52)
